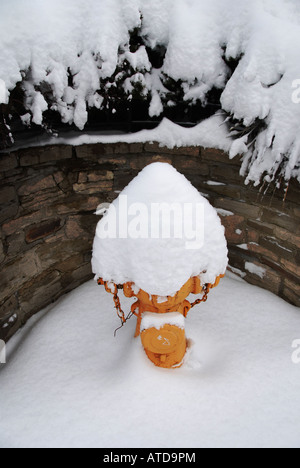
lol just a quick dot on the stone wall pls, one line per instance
(48, 197)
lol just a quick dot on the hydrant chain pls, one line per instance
(120, 312)
(205, 296)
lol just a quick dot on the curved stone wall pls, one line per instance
(48, 197)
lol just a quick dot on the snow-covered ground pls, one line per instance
(69, 383)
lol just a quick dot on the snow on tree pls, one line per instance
(69, 56)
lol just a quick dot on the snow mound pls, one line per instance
(158, 261)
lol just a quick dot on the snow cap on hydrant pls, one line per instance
(154, 243)
(162, 241)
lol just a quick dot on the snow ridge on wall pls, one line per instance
(65, 52)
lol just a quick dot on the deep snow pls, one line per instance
(69, 383)
(43, 43)
(147, 237)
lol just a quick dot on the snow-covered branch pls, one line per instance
(70, 56)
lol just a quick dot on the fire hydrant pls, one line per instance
(165, 344)
(160, 241)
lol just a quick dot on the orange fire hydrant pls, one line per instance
(166, 344)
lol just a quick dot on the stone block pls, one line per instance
(8, 162)
(265, 200)
(17, 225)
(291, 296)
(287, 236)
(233, 224)
(59, 177)
(7, 194)
(34, 156)
(17, 272)
(83, 273)
(113, 161)
(136, 147)
(281, 219)
(73, 204)
(271, 280)
(263, 228)
(71, 263)
(238, 207)
(37, 184)
(57, 252)
(122, 179)
(161, 158)
(40, 201)
(77, 227)
(215, 155)
(226, 173)
(82, 177)
(41, 230)
(93, 151)
(8, 212)
(236, 258)
(274, 245)
(95, 176)
(139, 162)
(292, 286)
(291, 292)
(157, 148)
(93, 188)
(55, 153)
(58, 236)
(121, 148)
(252, 236)
(98, 176)
(291, 267)
(223, 190)
(193, 165)
(37, 294)
(262, 252)
(28, 158)
(15, 244)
